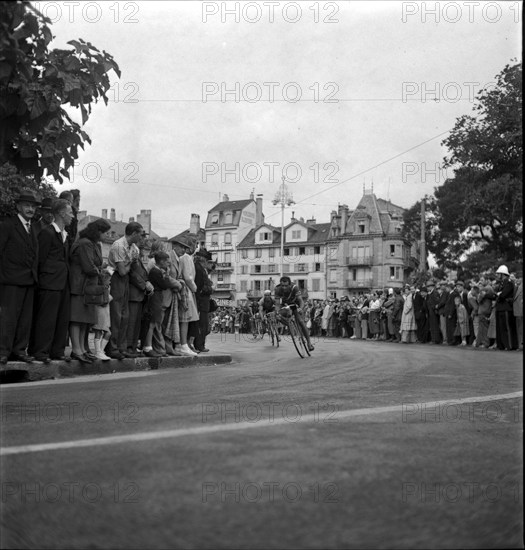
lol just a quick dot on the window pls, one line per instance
(361, 228)
(228, 216)
(215, 219)
(395, 273)
(316, 285)
(317, 267)
(333, 275)
(302, 250)
(271, 252)
(286, 251)
(214, 239)
(257, 285)
(296, 234)
(257, 268)
(267, 285)
(353, 274)
(317, 250)
(301, 267)
(264, 236)
(258, 252)
(392, 250)
(227, 238)
(227, 257)
(244, 269)
(244, 285)
(220, 276)
(333, 295)
(333, 252)
(272, 268)
(244, 253)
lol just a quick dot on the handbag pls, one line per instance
(95, 293)
(213, 305)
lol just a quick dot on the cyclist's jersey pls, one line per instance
(267, 303)
(291, 297)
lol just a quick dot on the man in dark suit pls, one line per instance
(51, 317)
(18, 277)
(203, 294)
(433, 316)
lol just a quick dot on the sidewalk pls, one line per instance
(20, 371)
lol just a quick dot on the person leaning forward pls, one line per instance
(18, 277)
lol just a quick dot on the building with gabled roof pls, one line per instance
(366, 249)
(259, 257)
(227, 224)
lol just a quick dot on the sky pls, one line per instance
(223, 98)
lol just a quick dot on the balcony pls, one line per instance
(254, 293)
(225, 286)
(362, 283)
(364, 260)
(224, 266)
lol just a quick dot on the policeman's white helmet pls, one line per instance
(267, 292)
(503, 269)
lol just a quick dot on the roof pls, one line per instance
(227, 206)
(379, 211)
(201, 236)
(318, 236)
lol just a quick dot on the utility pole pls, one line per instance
(284, 198)
(423, 252)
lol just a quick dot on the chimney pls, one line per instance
(301, 219)
(112, 217)
(225, 198)
(131, 219)
(105, 213)
(311, 220)
(195, 224)
(343, 212)
(293, 216)
(259, 216)
(144, 218)
(251, 196)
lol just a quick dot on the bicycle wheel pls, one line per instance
(294, 334)
(303, 341)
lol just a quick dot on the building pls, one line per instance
(195, 231)
(366, 250)
(259, 257)
(227, 224)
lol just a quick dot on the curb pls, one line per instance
(63, 369)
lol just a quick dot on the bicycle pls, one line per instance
(271, 327)
(298, 338)
(256, 328)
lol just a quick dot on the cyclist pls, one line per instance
(291, 296)
(267, 306)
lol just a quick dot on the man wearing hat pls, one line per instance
(505, 320)
(450, 313)
(204, 291)
(46, 215)
(18, 277)
(433, 317)
(445, 289)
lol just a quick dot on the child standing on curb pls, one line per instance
(463, 320)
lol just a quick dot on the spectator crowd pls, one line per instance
(55, 288)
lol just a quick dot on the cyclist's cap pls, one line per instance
(267, 292)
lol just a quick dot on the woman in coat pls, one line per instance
(408, 320)
(85, 268)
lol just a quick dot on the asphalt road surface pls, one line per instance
(363, 445)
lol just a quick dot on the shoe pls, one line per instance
(102, 356)
(185, 349)
(115, 355)
(311, 347)
(128, 354)
(192, 347)
(203, 350)
(90, 355)
(43, 359)
(60, 358)
(82, 358)
(152, 353)
(3, 360)
(23, 358)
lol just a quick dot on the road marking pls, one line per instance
(200, 430)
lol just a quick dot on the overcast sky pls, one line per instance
(173, 153)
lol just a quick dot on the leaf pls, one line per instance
(39, 107)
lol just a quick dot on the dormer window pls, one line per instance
(265, 236)
(296, 234)
(361, 228)
(215, 219)
(228, 218)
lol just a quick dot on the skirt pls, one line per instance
(80, 313)
(103, 318)
(192, 313)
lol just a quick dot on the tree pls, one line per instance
(37, 135)
(478, 210)
(12, 183)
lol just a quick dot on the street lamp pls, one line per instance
(284, 198)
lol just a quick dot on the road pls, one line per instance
(363, 445)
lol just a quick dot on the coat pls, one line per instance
(517, 305)
(408, 321)
(53, 260)
(138, 277)
(18, 253)
(85, 262)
